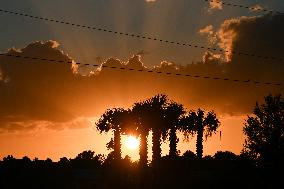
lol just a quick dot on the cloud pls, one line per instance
(28, 125)
(209, 32)
(259, 35)
(215, 5)
(211, 58)
(32, 90)
(57, 96)
(78, 123)
(254, 35)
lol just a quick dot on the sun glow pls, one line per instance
(132, 142)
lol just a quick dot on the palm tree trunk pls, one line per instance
(117, 144)
(173, 142)
(156, 149)
(143, 149)
(199, 142)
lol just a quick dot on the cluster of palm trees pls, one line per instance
(164, 118)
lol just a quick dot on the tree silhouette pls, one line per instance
(225, 156)
(87, 159)
(8, 158)
(109, 159)
(189, 155)
(198, 123)
(114, 119)
(86, 155)
(48, 161)
(173, 114)
(26, 159)
(156, 115)
(265, 131)
(110, 144)
(140, 112)
(64, 161)
(150, 115)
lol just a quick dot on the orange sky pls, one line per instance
(69, 142)
(46, 107)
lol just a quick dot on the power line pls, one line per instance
(244, 6)
(143, 36)
(147, 71)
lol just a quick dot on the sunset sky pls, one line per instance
(49, 109)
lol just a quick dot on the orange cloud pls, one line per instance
(215, 5)
(209, 32)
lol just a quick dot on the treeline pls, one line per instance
(90, 170)
(90, 160)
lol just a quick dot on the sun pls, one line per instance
(132, 142)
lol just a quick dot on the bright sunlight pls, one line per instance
(132, 142)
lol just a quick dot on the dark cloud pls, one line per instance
(259, 36)
(32, 88)
(263, 36)
(56, 95)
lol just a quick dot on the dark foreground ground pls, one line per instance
(168, 173)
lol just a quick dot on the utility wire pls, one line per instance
(142, 36)
(244, 6)
(147, 71)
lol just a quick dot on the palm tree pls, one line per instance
(198, 123)
(173, 114)
(149, 115)
(157, 112)
(140, 112)
(114, 119)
